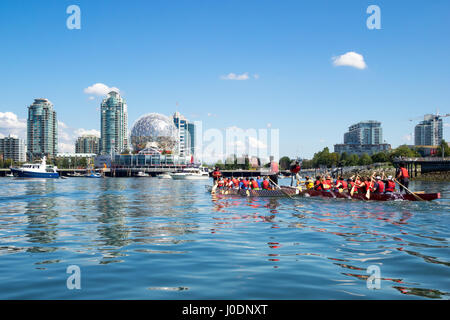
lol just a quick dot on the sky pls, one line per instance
(307, 68)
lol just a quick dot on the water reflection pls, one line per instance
(42, 222)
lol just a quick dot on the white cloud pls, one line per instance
(256, 76)
(234, 76)
(91, 98)
(351, 59)
(11, 124)
(99, 89)
(82, 132)
(407, 137)
(66, 147)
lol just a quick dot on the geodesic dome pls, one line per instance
(154, 130)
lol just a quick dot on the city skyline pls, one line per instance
(287, 66)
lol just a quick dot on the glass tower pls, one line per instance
(87, 144)
(114, 124)
(186, 135)
(42, 130)
(429, 132)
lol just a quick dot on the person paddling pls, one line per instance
(390, 185)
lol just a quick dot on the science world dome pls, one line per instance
(154, 130)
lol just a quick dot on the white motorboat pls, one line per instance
(142, 174)
(164, 176)
(36, 170)
(199, 173)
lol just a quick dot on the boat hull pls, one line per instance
(291, 191)
(31, 174)
(373, 196)
(283, 192)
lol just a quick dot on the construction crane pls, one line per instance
(436, 115)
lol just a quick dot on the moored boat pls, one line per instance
(191, 174)
(36, 170)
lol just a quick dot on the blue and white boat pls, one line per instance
(36, 170)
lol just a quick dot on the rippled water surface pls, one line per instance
(145, 238)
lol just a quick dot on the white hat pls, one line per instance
(390, 178)
(378, 178)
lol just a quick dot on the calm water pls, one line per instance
(145, 238)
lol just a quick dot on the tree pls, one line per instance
(403, 151)
(365, 159)
(380, 157)
(285, 163)
(443, 146)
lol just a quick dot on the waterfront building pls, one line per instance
(429, 132)
(42, 130)
(363, 137)
(114, 124)
(11, 147)
(87, 144)
(186, 135)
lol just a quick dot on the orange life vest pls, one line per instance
(265, 184)
(404, 172)
(390, 186)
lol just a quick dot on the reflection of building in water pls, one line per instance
(42, 217)
(144, 213)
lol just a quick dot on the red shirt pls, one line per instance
(265, 184)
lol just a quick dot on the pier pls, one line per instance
(424, 165)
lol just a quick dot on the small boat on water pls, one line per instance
(75, 175)
(164, 176)
(9, 175)
(142, 174)
(36, 170)
(199, 173)
(286, 191)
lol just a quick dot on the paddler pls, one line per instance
(220, 183)
(326, 184)
(259, 180)
(265, 184)
(402, 176)
(318, 184)
(378, 186)
(390, 185)
(341, 184)
(235, 182)
(309, 183)
(254, 184)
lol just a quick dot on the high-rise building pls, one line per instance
(363, 137)
(87, 144)
(42, 130)
(13, 148)
(114, 124)
(186, 135)
(366, 132)
(429, 132)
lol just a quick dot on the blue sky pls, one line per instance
(159, 53)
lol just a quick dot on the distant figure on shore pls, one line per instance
(402, 176)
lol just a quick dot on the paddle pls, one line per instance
(368, 189)
(213, 190)
(415, 195)
(354, 185)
